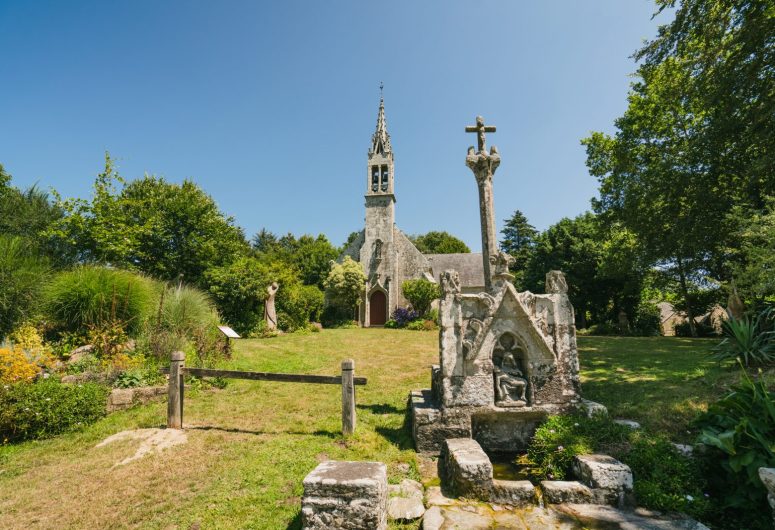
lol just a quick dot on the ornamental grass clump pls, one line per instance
(751, 340)
(90, 297)
(186, 320)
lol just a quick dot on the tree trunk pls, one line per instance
(685, 295)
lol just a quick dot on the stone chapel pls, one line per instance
(387, 255)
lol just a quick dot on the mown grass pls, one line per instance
(661, 382)
(251, 444)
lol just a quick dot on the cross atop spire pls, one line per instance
(380, 140)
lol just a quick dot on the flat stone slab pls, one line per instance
(603, 471)
(560, 491)
(345, 495)
(556, 517)
(639, 519)
(434, 497)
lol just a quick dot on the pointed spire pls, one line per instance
(380, 140)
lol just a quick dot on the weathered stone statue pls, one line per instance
(510, 384)
(270, 315)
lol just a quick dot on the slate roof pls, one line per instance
(469, 266)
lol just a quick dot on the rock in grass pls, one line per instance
(406, 501)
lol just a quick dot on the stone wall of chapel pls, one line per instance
(410, 264)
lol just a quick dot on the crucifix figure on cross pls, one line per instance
(480, 128)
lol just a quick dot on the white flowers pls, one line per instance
(575, 424)
(560, 448)
(689, 498)
(48, 399)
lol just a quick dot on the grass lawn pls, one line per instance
(250, 444)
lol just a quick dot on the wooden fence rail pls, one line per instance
(176, 387)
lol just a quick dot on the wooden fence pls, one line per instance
(178, 369)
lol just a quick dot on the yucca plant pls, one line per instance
(751, 340)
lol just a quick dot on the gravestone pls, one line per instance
(507, 359)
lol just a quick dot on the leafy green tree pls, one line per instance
(29, 214)
(439, 243)
(265, 241)
(344, 283)
(754, 269)
(350, 238)
(519, 239)
(603, 267)
(23, 273)
(164, 229)
(696, 141)
(421, 293)
(312, 256)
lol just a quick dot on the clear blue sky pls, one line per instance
(270, 106)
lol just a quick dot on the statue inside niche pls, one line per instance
(510, 380)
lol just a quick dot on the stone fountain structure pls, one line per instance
(507, 359)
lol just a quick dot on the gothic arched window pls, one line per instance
(384, 178)
(374, 178)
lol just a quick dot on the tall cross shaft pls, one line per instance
(483, 165)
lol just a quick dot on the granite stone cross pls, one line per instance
(480, 128)
(483, 165)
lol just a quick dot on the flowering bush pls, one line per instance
(403, 316)
(16, 367)
(47, 408)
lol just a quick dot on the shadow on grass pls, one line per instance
(295, 523)
(327, 434)
(381, 408)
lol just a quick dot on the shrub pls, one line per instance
(647, 320)
(603, 328)
(337, 317)
(87, 297)
(703, 330)
(422, 325)
(403, 316)
(22, 274)
(739, 428)
(391, 324)
(16, 367)
(752, 341)
(421, 293)
(47, 408)
(344, 283)
(26, 337)
(299, 305)
(664, 479)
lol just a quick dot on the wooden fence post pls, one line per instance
(175, 393)
(348, 397)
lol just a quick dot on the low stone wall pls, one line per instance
(124, 398)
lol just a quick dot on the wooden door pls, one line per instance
(377, 309)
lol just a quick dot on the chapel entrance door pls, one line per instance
(377, 309)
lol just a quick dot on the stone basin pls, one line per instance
(466, 471)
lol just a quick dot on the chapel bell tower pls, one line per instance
(377, 253)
